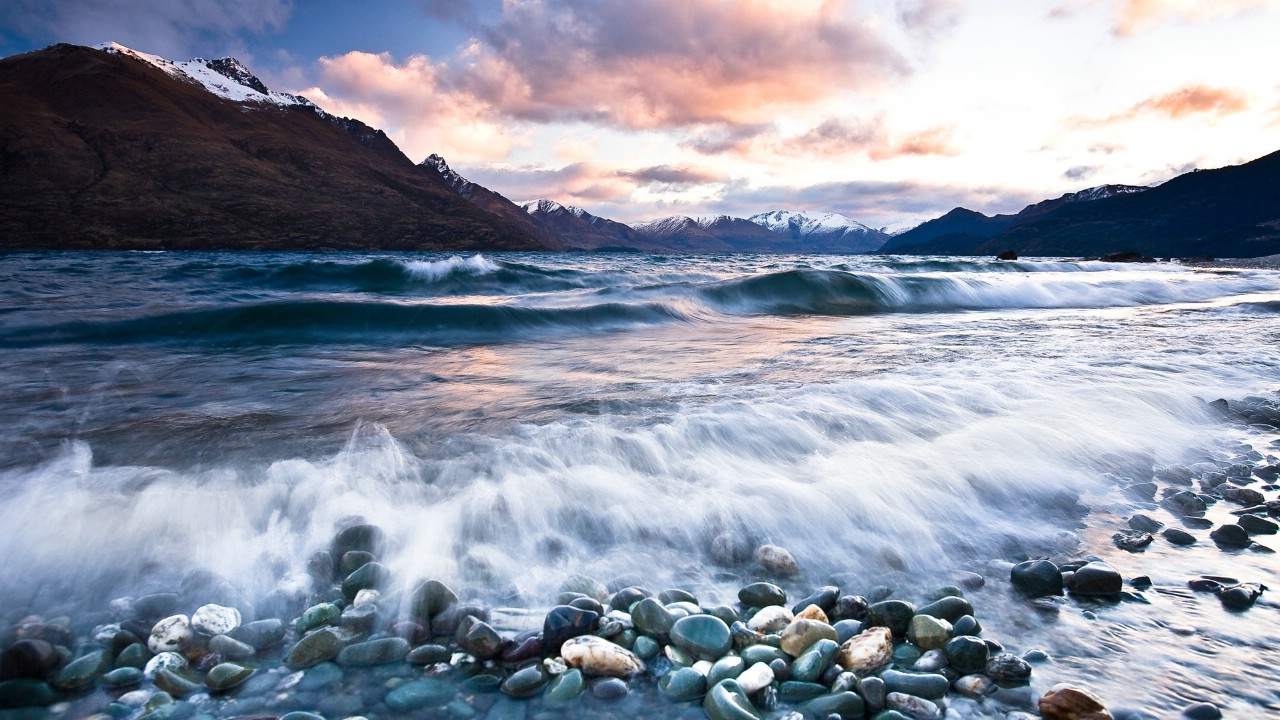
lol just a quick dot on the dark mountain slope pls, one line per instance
(101, 150)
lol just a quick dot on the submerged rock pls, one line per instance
(1037, 578)
(776, 560)
(1070, 702)
(1096, 578)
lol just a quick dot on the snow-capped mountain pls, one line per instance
(825, 231)
(580, 230)
(897, 228)
(1100, 192)
(464, 186)
(224, 77)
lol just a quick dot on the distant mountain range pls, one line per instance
(112, 148)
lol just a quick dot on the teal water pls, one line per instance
(510, 420)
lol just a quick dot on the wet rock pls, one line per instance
(368, 576)
(893, 614)
(1096, 579)
(928, 633)
(1185, 503)
(866, 652)
(169, 634)
(315, 616)
(762, 594)
(727, 701)
(845, 704)
(319, 646)
(419, 694)
(1176, 536)
(1197, 523)
(725, 668)
(609, 689)
(967, 625)
(164, 661)
(873, 692)
(771, 619)
(26, 693)
(430, 598)
(824, 597)
(525, 683)
(776, 560)
(597, 657)
(1240, 495)
(683, 684)
(912, 706)
(763, 653)
(1202, 711)
(800, 634)
(931, 661)
(949, 608)
(1132, 541)
(975, 686)
(231, 648)
(564, 689)
(628, 596)
(175, 684)
(1008, 670)
(478, 638)
(1255, 525)
(227, 675)
(446, 623)
(652, 619)
(850, 607)
(730, 549)
(82, 671)
(925, 685)
(813, 612)
(374, 652)
(1145, 524)
(810, 665)
(564, 622)
(28, 659)
(703, 636)
(360, 538)
(261, 634)
(755, 678)
(1036, 578)
(1241, 596)
(1231, 537)
(967, 654)
(1070, 702)
(215, 620)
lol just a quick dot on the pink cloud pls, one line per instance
(1133, 16)
(1178, 104)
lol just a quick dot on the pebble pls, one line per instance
(756, 677)
(215, 619)
(419, 694)
(567, 621)
(1096, 578)
(1231, 536)
(776, 560)
(1176, 536)
(231, 648)
(967, 654)
(893, 614)
(929, 633)
(597, 657)
(914, 707)
(1037, 578)
(762, 594)
(374, 652)
(525, 682)
(164, 661)
(866, 652)
(771, 619)
(610, 689)
(727, 701)
(800, 634)
(1202, 711)
(169, 634)
(1255, 525)
(1070, 702)
(1144, 523)
(975, 686)
(224, 676)
(564, 688)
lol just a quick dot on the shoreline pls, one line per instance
(1266, 262)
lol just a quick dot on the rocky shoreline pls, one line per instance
(355, 646)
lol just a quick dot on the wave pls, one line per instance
(342, 322)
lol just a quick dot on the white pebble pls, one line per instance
(164, 661)
(756, 677)
(367, 596)
(703, 667)
(773, 618)
(215, 619)
(169, 634)
(135, 698)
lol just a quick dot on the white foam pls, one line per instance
(439, 269)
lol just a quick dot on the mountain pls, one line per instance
(822, 232)
(578, 229)
(112, 148)
(961, 229)
(720, 233)
(1232, 211)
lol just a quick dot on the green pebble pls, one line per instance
(565, 688)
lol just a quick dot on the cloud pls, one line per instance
(928, 16)
(1080, 172)
(665, 178)
(1178, 104)
(575, 184)
(173, 28)
(832, 138)
(415, 104)
(1133, 16)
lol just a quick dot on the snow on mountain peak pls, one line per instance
(543, 206)
(802, 224)
(224, 77)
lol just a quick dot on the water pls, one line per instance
(510, 420)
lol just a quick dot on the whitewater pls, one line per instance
(510, 420)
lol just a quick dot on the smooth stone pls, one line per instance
(703, 636)
(359, 618)
(1255, 525)
(810, 666)
(1231, 536)
(585, 585)
(949, 608)
(1241, 596)
(781, 669)
(428, 654)
(724, 612)
(446, 624)
(122, 677)
(771, 619)
(25, 693)
(419, 694)
(796, 691)
(484, 683)
(169, 634)
(824, 597)
(846, 629)
(628, 596)
(136, 656)
(1008, 670)
(1179, 537)
(1197, 523)
(525, 683)
(224, 676)
(28, 659)
(867, 652)
(82, 671)
(906, 655)
(931, 661)
(361, 538)
(893, 614)
(164, 661)
(967, 654)
(353, 560)
(587, 603)
(975, 686)
(372, 575)
(429, 599)
(928, 632)
(597, 657)
(726, 700)
(320, 646)
(813, 612)
(609, 689)
(678, 657)
(652, 619)
(912, 706)
(1243, 496)
(522, 649)
(754, 678)
(374, 652)
(776, 560)
(850, 607)
(315, 616)
(1202, 711)
(762, 654)
(215, 619)
(230, 648)
(843, 705)
(925, 685)
(1145, 523)
(261, 634)
(726, 668)
(683, 684)
(801, 634)
(1070, 702)
(872, 691)
(478, 638)
(564, 622)
(1036, 578)
(1096, 578)
(676, 595)
(1185, 503)
(564, 688)
(174, 684)
(761, 595)
(646, 648)
(320, 677)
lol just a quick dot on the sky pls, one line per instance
(886, 111)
